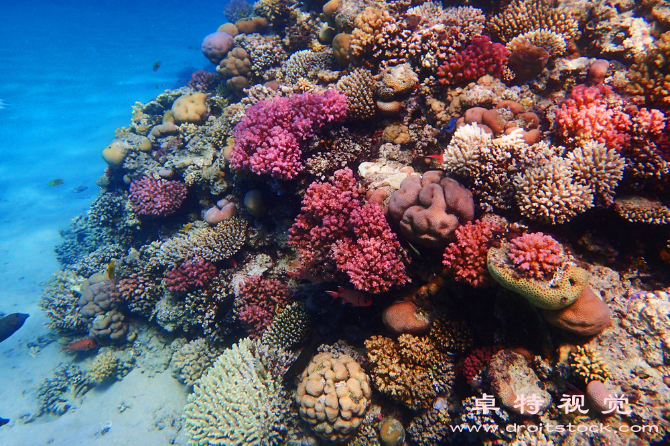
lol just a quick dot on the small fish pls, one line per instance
(353, 297)
(303, 274)
(438, 158)
(157, 65)
(79, 189)
(10, 324)
(83, 345)
(56, 182)
(3, 421)
(449, 128)
(111, 269)
(186, 227)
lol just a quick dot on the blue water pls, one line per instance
(70, 72)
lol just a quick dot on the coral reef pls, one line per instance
(63, 391)
(193, 359)
(289, 327)
(156, 197)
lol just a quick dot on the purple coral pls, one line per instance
(479, 58)
(190, 275)
(203, 80)
(269, 136)
(536, 255)
(156, 197)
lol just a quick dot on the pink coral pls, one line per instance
(479, 58)
(261, 298)
(335, 233)
(269, 136)
(474, 365)
(594, 113)
(536, 255)
(467, 256)
(372, 258)
(190, 275)
(156, 197)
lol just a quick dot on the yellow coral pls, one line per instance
(589, 365)
(566, 286)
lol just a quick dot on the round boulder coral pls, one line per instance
(587, 316)
(333, 396)
(429, 208)
(216, 45)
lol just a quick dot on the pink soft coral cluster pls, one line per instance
(479, 58)
(190, 275)
(467, 256)
(334, 232)
(156, 197)
(269, 136)
(594, 113)
(536, 255)
(260, 300)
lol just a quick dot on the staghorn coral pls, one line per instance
(210, 244)
(289, 327)
(359, 88)
(588, 365)
(548, 193)
(333, 396)
(410, 370)
(238, 401)
(598, 166)
(466, 257)
(193, 359)
(522, 16)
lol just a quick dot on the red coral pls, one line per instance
(467, 256)
(190, 275)
(156, 197)
(261, 299)
(536, 255)
(476, 363)
(479, 58)
(335, 233)
(371, 259)
(594, 113)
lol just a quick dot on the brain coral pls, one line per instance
(428, 209)
(333, 396)
(238, 402)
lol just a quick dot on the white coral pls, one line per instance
(599, 167)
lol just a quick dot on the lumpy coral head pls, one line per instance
(428, 209)
(268, 138)
(536, 255)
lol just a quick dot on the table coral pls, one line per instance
(156, 197)
(268, 139)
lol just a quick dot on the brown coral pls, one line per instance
(359, 87)
(522, 16)
(650, 74)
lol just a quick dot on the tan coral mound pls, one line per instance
(333, 396)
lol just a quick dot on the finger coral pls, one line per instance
(522, 16)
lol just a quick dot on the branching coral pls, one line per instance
(334, 232)
(156, 197)
(268, 139)
(190, 275)
(522, 16)
(536, 255)
(479, 58)
(359, 88)
(192, 360)
(588, 364)
(598, 166)
(466, 257)
(289, 327)
(258, 301)
(410, 369)
(650, 74)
